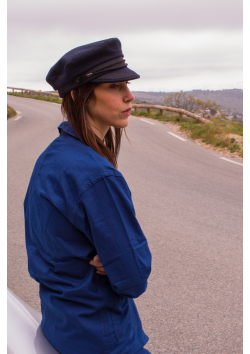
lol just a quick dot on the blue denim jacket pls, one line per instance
(78, 205)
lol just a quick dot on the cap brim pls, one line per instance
(119, 75)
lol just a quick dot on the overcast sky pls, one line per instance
(174, 45)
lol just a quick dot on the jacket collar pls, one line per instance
(66, 127)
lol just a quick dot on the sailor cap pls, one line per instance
(99, 62)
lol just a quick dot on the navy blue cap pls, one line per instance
(98, 62)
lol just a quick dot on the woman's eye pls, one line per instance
(114, 85)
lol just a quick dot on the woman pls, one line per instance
(85, 246)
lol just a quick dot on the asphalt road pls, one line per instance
(189, 204)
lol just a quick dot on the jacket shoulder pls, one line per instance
(68, 160)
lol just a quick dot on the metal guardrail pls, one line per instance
(43, 93)
(180, 111)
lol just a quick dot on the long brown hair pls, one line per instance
(75, 112)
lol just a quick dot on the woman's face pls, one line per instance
(111, 106)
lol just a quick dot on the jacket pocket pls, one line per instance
(125, 318)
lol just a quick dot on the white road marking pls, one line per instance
(177, 136)
(18, 116)
(237, 163)
(146, 121)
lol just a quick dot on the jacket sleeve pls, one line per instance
(106, 215)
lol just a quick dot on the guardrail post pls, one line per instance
(135, 109)
(180, 115)
(12, 90)
(161, 112)
(148, 110)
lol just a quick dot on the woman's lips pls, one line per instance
(127, 112)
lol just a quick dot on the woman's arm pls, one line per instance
(107, 217)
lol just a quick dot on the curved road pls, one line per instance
(188, 201)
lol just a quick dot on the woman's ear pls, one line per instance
(72, 94)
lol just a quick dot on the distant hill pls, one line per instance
(230, 99)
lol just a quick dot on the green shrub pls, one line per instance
(10, 112)
(234, 148)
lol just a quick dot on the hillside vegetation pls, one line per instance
(222, 135)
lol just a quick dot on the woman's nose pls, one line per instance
(129, 96)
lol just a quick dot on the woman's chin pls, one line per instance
(123, 123)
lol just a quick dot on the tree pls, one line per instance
(213, 107)
(181, 100)
(189, 103)
(213, 111)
